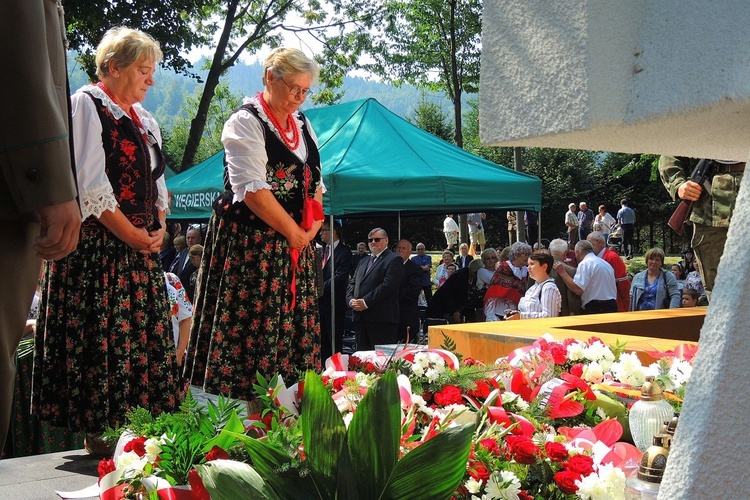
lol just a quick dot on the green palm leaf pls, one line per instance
(323, 432)
(373, 438)
(433, 470)
(230, 480)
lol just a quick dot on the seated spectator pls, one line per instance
(167, 252)
(693, 281)
(179, 243)
(463, 258)
(654, 288)
(571, 302)
(442, 272)
(194, 254)
(508, 283)
(542, 299)
(679, 273)
(688, 260)
(452, 301)
(690, 297)
(489, 264)
(180, 313)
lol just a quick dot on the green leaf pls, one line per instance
(278, 469)
(373, 439)
(434, 469)
(323, 433)
(226, 440)
(230, 480)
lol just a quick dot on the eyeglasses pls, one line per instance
(376, 240)
(297, 91)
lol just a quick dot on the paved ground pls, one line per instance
(38, 477)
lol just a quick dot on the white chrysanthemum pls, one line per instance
(437, 360)
(417, 369)
(473, 486)
(515, 399)
(503, 485)
(593, 372)
(629, 370)
(608, 484)
(576, 351)
(422, 359)
(131, 461)
(153, 448)
(431, 374)
(679, 373)
(417, 400)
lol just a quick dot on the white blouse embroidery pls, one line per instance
(245, 149)
(95, 191)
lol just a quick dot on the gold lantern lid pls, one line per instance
(651, 390)
(654, 459)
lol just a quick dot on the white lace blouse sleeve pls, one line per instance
(94, 190)
(245, 150)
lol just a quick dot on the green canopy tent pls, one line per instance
(376, 163)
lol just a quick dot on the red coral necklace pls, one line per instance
(292, 143)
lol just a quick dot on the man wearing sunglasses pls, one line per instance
(373, 294)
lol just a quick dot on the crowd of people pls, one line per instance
(129, 314)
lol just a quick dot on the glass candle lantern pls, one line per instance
(648, 414)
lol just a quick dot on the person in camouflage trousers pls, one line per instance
(712, 210)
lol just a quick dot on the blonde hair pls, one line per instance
(284, 61)
(196, 250)
(123, 47)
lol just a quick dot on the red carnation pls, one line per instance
(580, 464)
(217, 453)
(448, 395)
(556, 451)
(106, 466)
(523, 449)
(577, 370)
(481, 390)
(566, 481)
(522, 495)
(138, 445)
(558, 351)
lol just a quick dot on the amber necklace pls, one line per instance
(292, 143)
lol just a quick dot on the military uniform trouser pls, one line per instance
(708, 245)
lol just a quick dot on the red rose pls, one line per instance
(106, 466)
(448, 395)
(138, 445)
(467, 361)
(522, 495)
(556, 451)
(580, 464)
(577, 370)
(490, 445)
(280, 174)
(566, 481)
(478, 471)
(338, 383)
(523, 449)
(217, 453)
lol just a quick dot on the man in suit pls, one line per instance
(341, 261)
(408, 295)
(182, 266)
(359, 256)
(39, 214)
(463, 258)
(373, 294)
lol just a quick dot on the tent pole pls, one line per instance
(539, 227)
(333, 293)
(399, 226)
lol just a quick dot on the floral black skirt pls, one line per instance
(104, 339)
(243, 319)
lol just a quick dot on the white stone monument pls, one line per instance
(658, 76)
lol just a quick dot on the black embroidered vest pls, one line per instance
(128, 168)
(285, 173)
